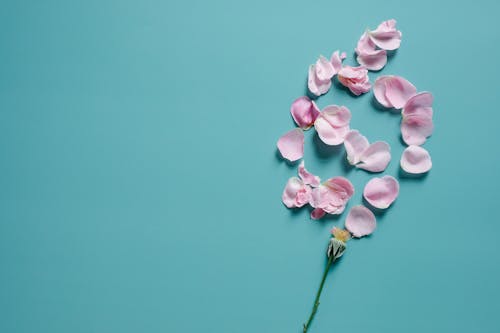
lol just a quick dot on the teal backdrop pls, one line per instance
(140, 187)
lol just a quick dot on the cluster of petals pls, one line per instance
(321, 73)
(416, 122)
(329, 197)
(332, 125)
(355, 79)
(373, 45)
(371, 157)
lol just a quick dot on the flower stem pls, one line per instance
(331, 259)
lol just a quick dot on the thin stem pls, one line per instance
(331, 259)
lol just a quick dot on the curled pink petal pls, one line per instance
(316, 86)
(336, 61)
(416, 160)
(333, 124)
(416, 124)
(317, 213)
(307, 177)
(355, 144)
(291, 145)
(355, 79)
(296, 193)
(393, 91)
(324, 69)
(332, 195)
(368, 55)
(386, 36)
(304, 112)
(376, 157)
(381, 192)
(360, 221)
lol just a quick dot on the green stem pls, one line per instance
(318, 294)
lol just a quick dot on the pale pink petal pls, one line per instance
(368, 55)
(342, 186)
(381, 192)
(333, 124)
(416, 124)
(376, 157)
(317, 213)
(355, 144)
(324, 69)
(386, 36)
(304, 112)
(393, 91)
(360, 221)
(307, 177)
(416, 160)
(333, 195)
(296, 194)
(354, 78)
(336, 61)
(316, 86)
(291, 145)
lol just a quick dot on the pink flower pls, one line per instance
(386, 36)
(332, 124)
(368, 55)
(360, 221)
(331, 197)
(416, 124)
(371, 157)
(355, 78)
(416, 160)
(291, 145)
(381, 192)
(304, 112)
(298, 191)
(320, 74)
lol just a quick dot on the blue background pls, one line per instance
(140, 190)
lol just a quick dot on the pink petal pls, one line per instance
(376, 157)
(381, 192)
(368, 55)
(354, 78)
(291, 145)
(324, 69)
(341, 185)
(360, 221)
(296, 193)
(333, 124)
(355, 144)
(416, 160)
(386, 36)
(393, 91)
(307, 177)
(316, 86)
(304, 112)
(417, 125)
(317, 213)
(336, 61)
(332, 196)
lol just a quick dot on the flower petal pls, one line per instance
(296, 194)
(307, 177)
(386, 36)
(291, 145)
(332, 195)
(393, 91)
(417, 125)
(316, 86)
(360, 221)
(355, 79)
(336, 61)
(324, 69)
(376, 157)
(368, 55)
(304, 112)
(355, 144)
(317, 213)
(333, 124)
(381, 192)
(416, 160)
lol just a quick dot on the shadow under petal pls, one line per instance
(323, 150)
(281, 159)
(412, 176)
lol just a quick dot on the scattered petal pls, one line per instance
(332, 195)
(355, 79)
(416, 160)
(355, 144)
(307, 177)
(317, 213)
(386, 36)
(333, 124)
(324, 69)
(336, 61)
(417, 125)
(368, 55)
(291, 145)
(376, 157)
(316, 86)
(304, 112)
(381, 192)
(360, 221)
(296, 193)
(393, 91)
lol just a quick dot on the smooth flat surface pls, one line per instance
(140, 189)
